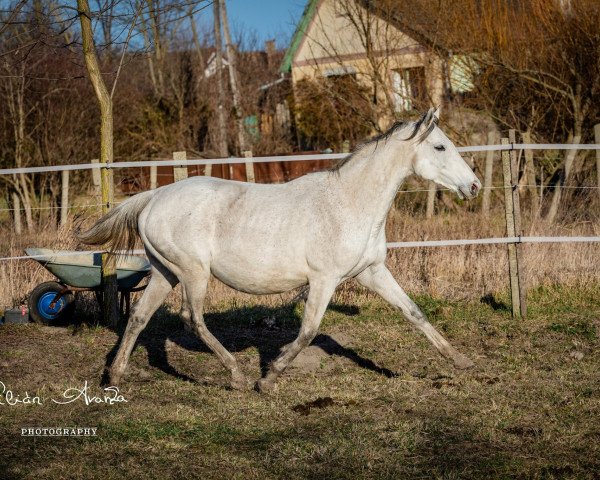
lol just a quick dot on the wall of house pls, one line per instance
(333, 45)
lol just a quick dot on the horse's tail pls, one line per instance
(118, 229)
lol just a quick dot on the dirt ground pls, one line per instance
(370, 398)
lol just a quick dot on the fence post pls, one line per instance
(510, 190)
(529, 176)
(431, 191)
(153, 177)
(563, 179)
(64, 197)
(96, 180)
(249, 167)
(17, 211)
(487, 178)
(180, 173)
(597, 141)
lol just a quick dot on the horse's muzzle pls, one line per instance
(471, 191)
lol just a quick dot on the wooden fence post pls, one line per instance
(529, 177)
(96, 180)
(563, 179)
(249, 167)
(153, 177)
(180, 173)
(431, 192)
(488, 174)
(17, 212)
(513, 227)
(597, 140)
(64, 198)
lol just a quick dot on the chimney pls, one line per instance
(270, 49)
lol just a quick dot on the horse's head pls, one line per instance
(437, 159)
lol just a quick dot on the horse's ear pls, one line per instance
(430, 116)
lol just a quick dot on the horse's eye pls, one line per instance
(440, 148)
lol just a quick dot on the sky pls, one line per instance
(266, 18)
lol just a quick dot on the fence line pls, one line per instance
(417, 244)
(414, 190)
(287, 158)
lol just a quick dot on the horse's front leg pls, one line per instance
(318, 298)
(195, 287)
(379, 279)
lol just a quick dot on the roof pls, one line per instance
(418, 23)
(307, 15)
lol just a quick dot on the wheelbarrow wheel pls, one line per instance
(44, 309)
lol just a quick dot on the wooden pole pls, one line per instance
(489, 170)
(180, 173)
(513, 265)
(234, 80)
(514, 172)
(597, 140)
(221, 112)
(64, 198)
(153, 177)
(563, 179)
(17, 212)
(96, 177)
(249, 167)
(431, 191)
(529, 177)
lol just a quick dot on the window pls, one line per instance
(409, 88)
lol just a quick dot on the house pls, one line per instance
(370, 40)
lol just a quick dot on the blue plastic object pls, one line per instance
(45, 308)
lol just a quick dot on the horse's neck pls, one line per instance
(373, 177)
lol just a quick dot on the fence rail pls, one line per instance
(286, 158)
(417, 244)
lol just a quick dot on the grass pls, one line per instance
(370, 399)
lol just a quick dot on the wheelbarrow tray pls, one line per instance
(82, 270)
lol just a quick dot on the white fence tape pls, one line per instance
(287, 158)
(424, 243)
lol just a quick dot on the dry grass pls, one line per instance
(392, 407)
(449, 272)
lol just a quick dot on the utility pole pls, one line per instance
(221, 120)
(234, 80)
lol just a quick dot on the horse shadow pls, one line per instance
(265, 329)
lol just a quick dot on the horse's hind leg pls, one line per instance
(161, 283)
(195, 290)
(379, 279)
(318, 297)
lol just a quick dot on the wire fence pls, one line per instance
(334, 156)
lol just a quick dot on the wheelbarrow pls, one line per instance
(54, 302)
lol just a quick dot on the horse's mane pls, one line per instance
(386, 135)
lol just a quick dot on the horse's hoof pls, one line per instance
(109, 379)
(461, 362)
(264, 386)
(240, 383)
